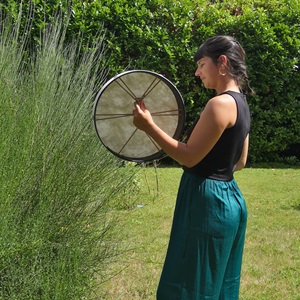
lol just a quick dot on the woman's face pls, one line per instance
(208, 72)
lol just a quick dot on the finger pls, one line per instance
(143, 106)
(137, 107)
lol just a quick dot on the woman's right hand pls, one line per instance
(142, 118)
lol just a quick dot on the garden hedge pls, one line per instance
(162, 36)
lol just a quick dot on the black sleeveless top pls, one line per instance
(219, 163)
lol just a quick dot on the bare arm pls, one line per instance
(215, 118)
(243, 159)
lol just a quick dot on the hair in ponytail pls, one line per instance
(226, 45)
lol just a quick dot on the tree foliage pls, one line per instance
(162, 36)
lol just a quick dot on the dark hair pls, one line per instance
(226, 45)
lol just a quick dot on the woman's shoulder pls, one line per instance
(221, 101)
(222, 108)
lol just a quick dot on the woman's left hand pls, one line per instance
(142, 118)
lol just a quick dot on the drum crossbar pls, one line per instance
(127, 89)
(131, 136)
(153, 142)
(172, 112)
(128, 140)
(110, 116)
(150, 88)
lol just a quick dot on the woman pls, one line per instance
(206, 244)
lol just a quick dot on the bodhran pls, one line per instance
(113, 117)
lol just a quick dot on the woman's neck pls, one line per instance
(229, 85)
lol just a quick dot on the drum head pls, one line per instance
(113, 117)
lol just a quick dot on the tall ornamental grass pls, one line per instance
(56, 178)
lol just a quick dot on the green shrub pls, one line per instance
(271, 38)
(56, 179)
(162, 36)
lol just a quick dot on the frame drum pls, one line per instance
(113, 113)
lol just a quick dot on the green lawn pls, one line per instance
(271, 266)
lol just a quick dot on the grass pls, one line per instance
(272, 250)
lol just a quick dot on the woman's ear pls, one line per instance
(222, 59)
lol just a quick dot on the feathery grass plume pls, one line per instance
(56, 178)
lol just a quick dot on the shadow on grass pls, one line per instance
(296, 206)
(274, 166)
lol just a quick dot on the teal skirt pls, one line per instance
(206, 244)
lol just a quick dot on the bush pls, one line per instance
(273, 61)
(162, 36)
(56, 179)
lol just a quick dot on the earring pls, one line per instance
(222, 74)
